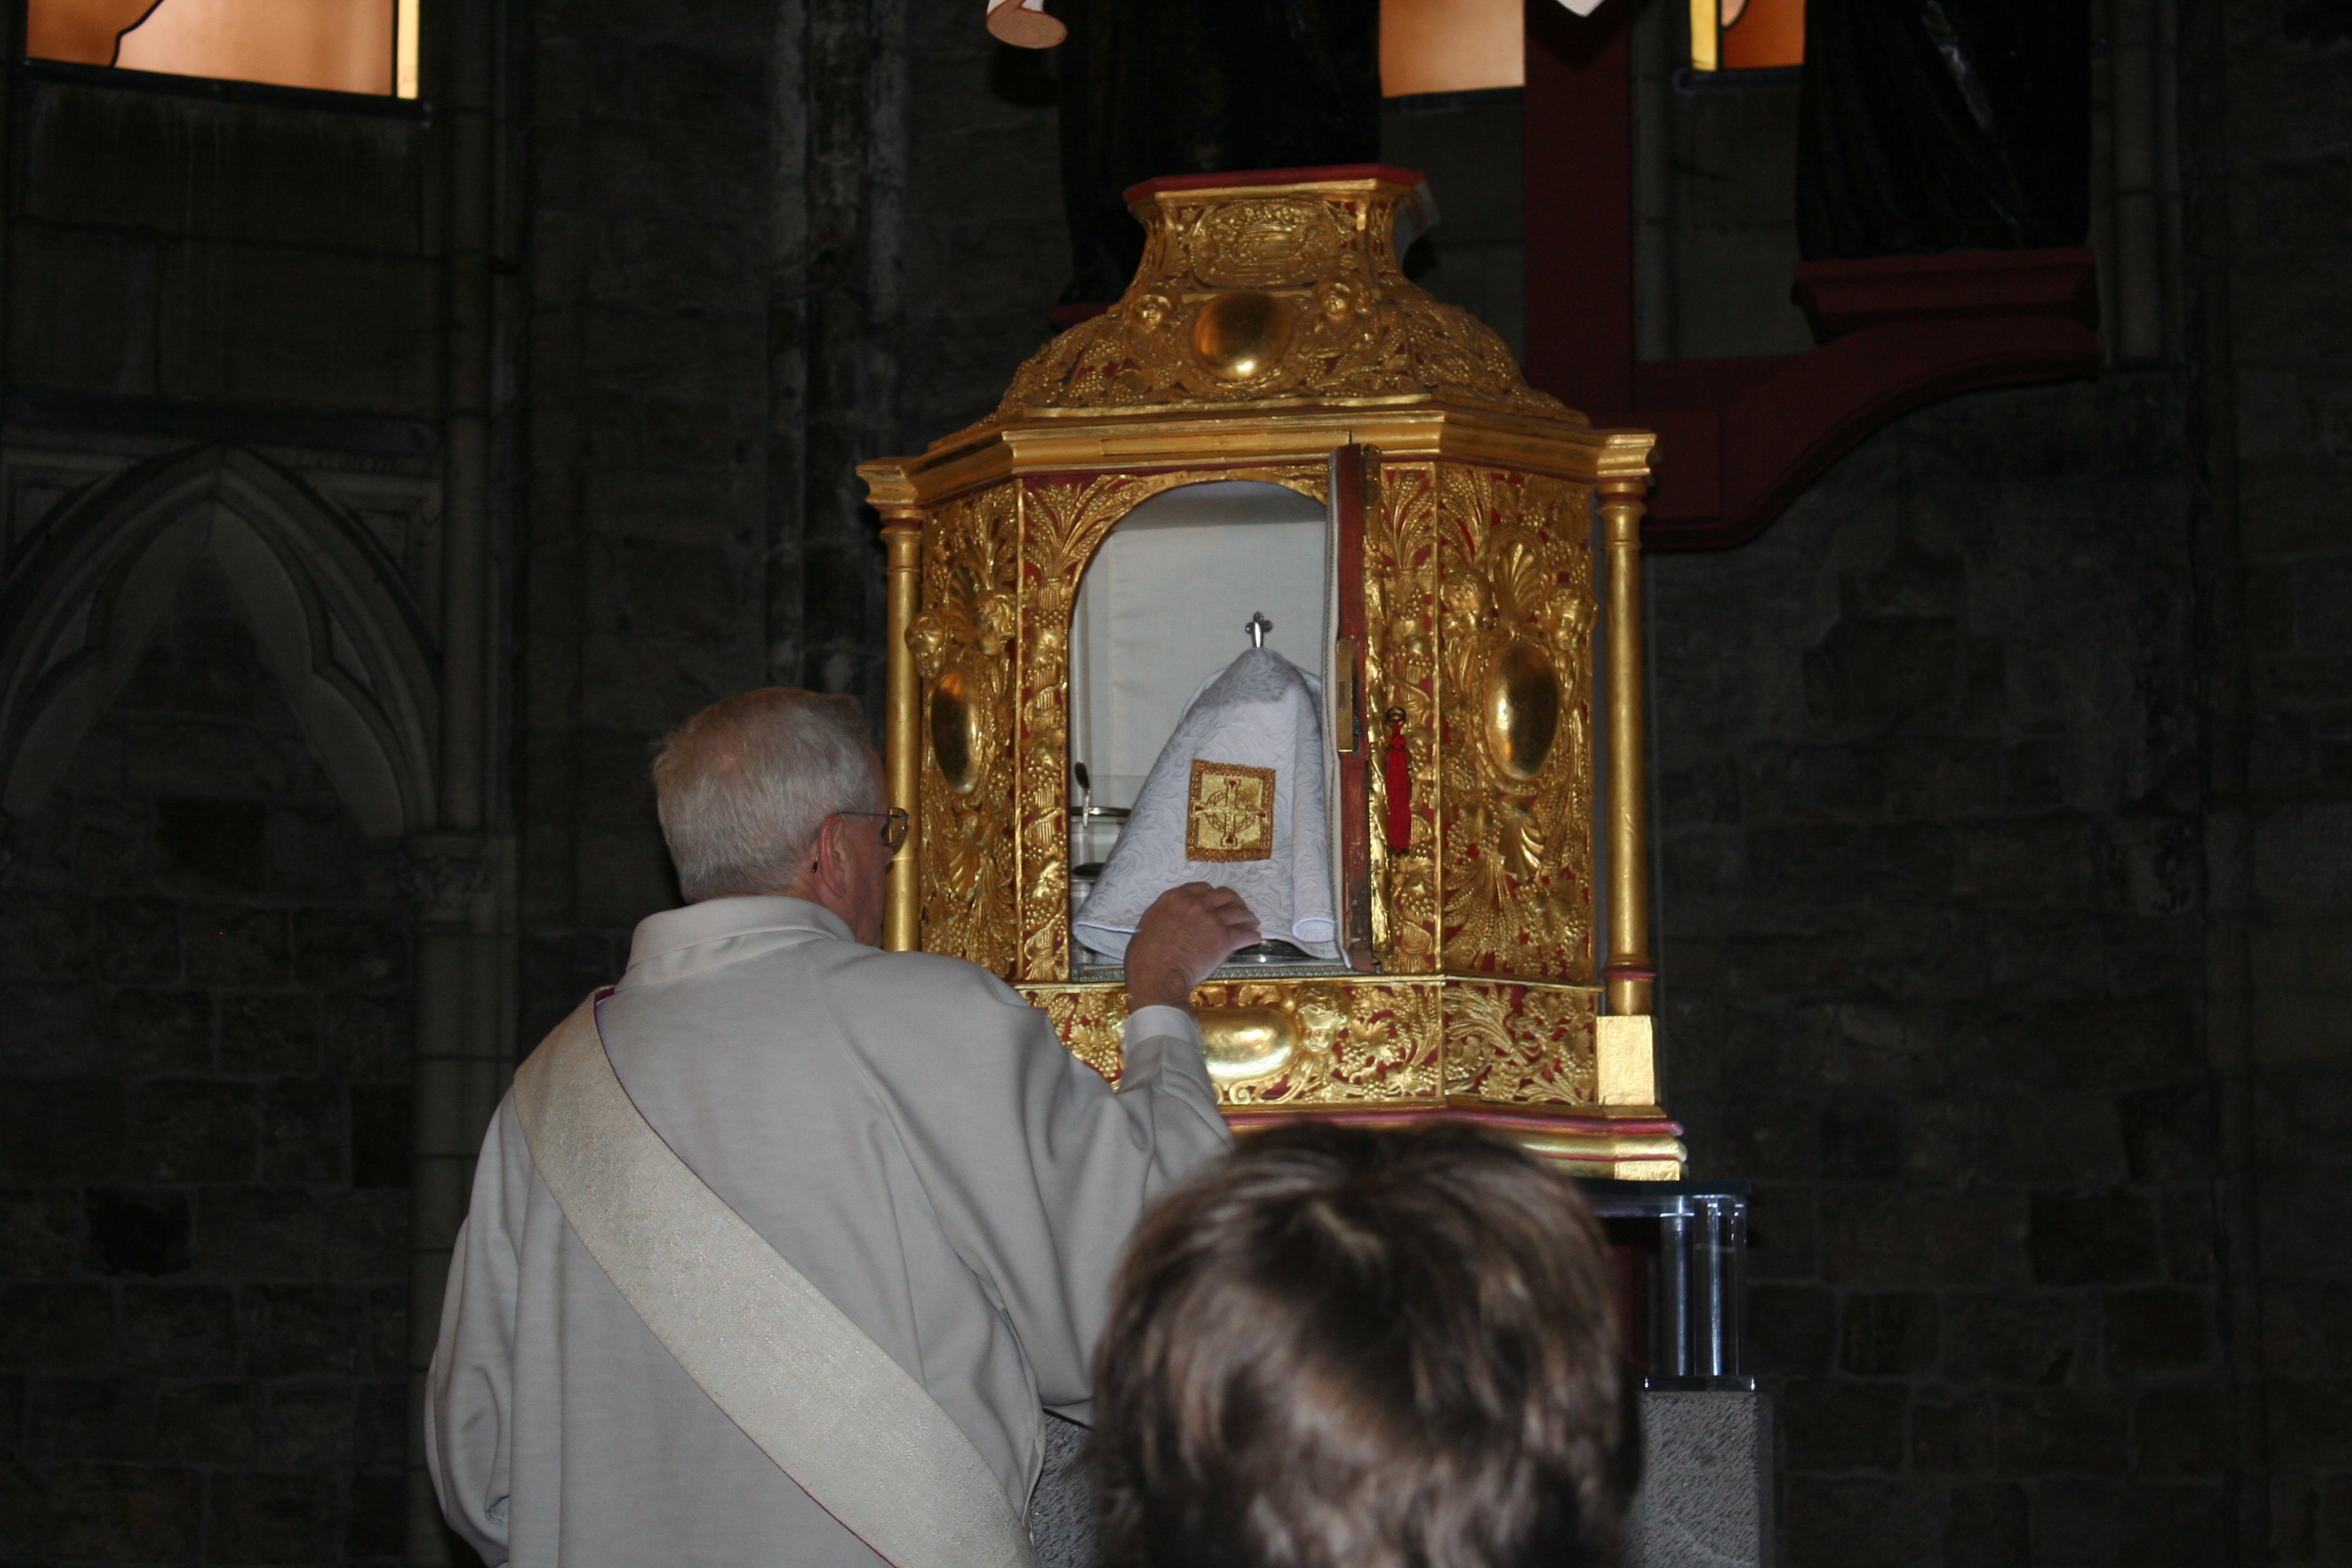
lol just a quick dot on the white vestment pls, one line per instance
(1235, 798)
(904, 1130)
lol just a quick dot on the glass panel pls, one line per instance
(336, 46)
(1451, 45)
(1760, 34)
(1746, 35)
(83, 31)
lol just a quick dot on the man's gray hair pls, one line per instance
(745, 785)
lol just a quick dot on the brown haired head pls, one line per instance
(1342, 1348)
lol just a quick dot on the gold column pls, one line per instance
(1630, 973)
(902, 542)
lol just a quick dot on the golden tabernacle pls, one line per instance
(1278, 466)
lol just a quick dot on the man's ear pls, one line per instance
(818, 857)
(832, 865)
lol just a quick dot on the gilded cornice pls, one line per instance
(1257, 295)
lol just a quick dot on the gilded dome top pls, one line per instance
(1278, 288)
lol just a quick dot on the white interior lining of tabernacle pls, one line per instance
(1165, 605)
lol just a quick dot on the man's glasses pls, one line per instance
(894, 824)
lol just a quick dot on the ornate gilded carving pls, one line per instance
(1356, 1042)
(1325, 315)
(1401, 672)
(1519, 1044)
(962, 640)
(1060, 519)
(1478, 589)
(1515, 637)
(1262, 244)
(1088, 1018)
(1345, 1042)
(1342, 1041)
(1229, 812)
(1267, 324)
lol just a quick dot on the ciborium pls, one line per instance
(1274, 429)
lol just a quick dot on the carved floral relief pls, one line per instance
(1514, 631)
(1519, 1044)
(961, 640)
(1346, 1042)
(1355, 1042)
(1246, 296)
(1400, 674)
(1340, 1041)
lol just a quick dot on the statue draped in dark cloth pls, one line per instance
(1209, 87)
(1944, 125)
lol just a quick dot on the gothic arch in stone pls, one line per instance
(325, 600)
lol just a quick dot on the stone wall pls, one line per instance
(2268, 162)
(2004, 896)
(739, 292)
(1930, 894)
(203, 1136)
(647, 384)
(162, 246)
(224, 322)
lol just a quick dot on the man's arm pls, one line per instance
(1187, 933)
(1036, 1168)
(1181, 939)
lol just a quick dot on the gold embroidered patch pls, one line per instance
(1233, 813)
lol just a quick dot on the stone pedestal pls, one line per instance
(1706, 1486)
(1061, 1510)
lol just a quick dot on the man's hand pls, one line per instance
(1188, 932)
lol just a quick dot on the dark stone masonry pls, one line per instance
(1931, 884)
(205, 1121)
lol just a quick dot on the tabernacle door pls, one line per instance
(1347, 729)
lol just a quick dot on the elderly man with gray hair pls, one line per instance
(780, 1247)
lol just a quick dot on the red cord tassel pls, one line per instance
(1396, 778)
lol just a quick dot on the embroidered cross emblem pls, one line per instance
(1232, 816)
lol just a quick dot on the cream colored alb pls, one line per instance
(814, 1390)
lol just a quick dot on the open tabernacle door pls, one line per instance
(1346, 729)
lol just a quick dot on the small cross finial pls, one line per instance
(1257, 626)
